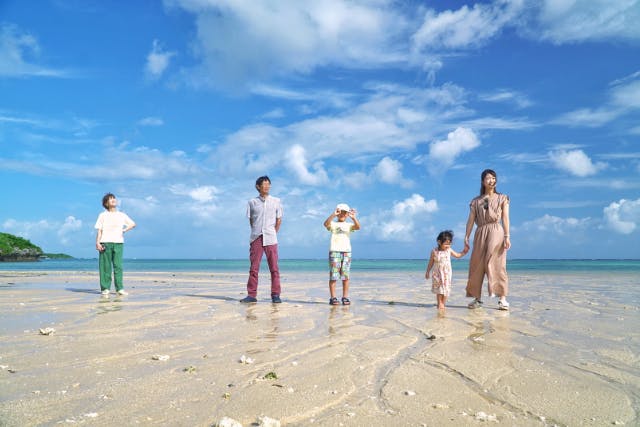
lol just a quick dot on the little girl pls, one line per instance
(440, 262)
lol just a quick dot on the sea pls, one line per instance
(317, 265)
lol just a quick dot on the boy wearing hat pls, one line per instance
(340, 250)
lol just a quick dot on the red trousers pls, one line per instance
(255, 256)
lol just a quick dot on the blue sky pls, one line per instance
(393, 107)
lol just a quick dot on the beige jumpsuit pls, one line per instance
(489, 255)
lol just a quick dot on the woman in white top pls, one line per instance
(111, 226)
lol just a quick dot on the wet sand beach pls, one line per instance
(567, 354)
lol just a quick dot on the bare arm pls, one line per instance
(129, 227)
(98, 244)
(470, 222)
(429, 266)
(356, 223)
(506, 224)
(278, 223)
(327, 222)
(460, 254)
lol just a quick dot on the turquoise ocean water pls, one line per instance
(313, 265)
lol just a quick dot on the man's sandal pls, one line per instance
(333, 301)
(345, 301)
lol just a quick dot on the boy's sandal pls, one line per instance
(334, 301)
(345, 301)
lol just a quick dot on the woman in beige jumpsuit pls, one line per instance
(490, 213)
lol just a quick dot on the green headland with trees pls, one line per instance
(14, 248)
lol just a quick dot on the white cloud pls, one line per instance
(16, 51)
(624, 216)
(297, 162)
(389, 171)
(587, 117)
(627, 96)
(549, 225)
(200, 194)
(623, 98)
(289, 36)
(157, 61)
(399, 223)
(507, 96)
(466, 27)
(276, 113)
(414, 205)
(112, 162)
(442, 154)
(151, 121)
(570, 21)
(45, 230)
(576, 162)
(71, 225)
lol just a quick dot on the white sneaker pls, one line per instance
(503, 305)
(105, 293)
(476, 303)
(122, 292)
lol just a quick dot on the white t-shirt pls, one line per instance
(340, 236)
(112, 224)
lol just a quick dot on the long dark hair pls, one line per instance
(482, 177)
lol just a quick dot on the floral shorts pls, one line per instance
(339, 265)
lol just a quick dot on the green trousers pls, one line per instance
(110, 258)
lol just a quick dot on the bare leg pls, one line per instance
(345, 288)
(332, 288)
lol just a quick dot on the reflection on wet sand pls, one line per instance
(391, 358)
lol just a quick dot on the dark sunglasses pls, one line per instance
(486, 203)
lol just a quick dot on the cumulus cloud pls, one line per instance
(200, 194)
(17, 51)
(297, 162)
(624, 216)
(399, 223)
(576, 162)
(157, 61)
(389, 171)
(71, 225)
(442, 154)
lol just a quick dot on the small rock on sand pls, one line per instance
(161, 357)
(245, 360)
(46, 331)
(482, 416)
(264, 421)
(227, 422)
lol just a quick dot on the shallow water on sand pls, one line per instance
(566, 353)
